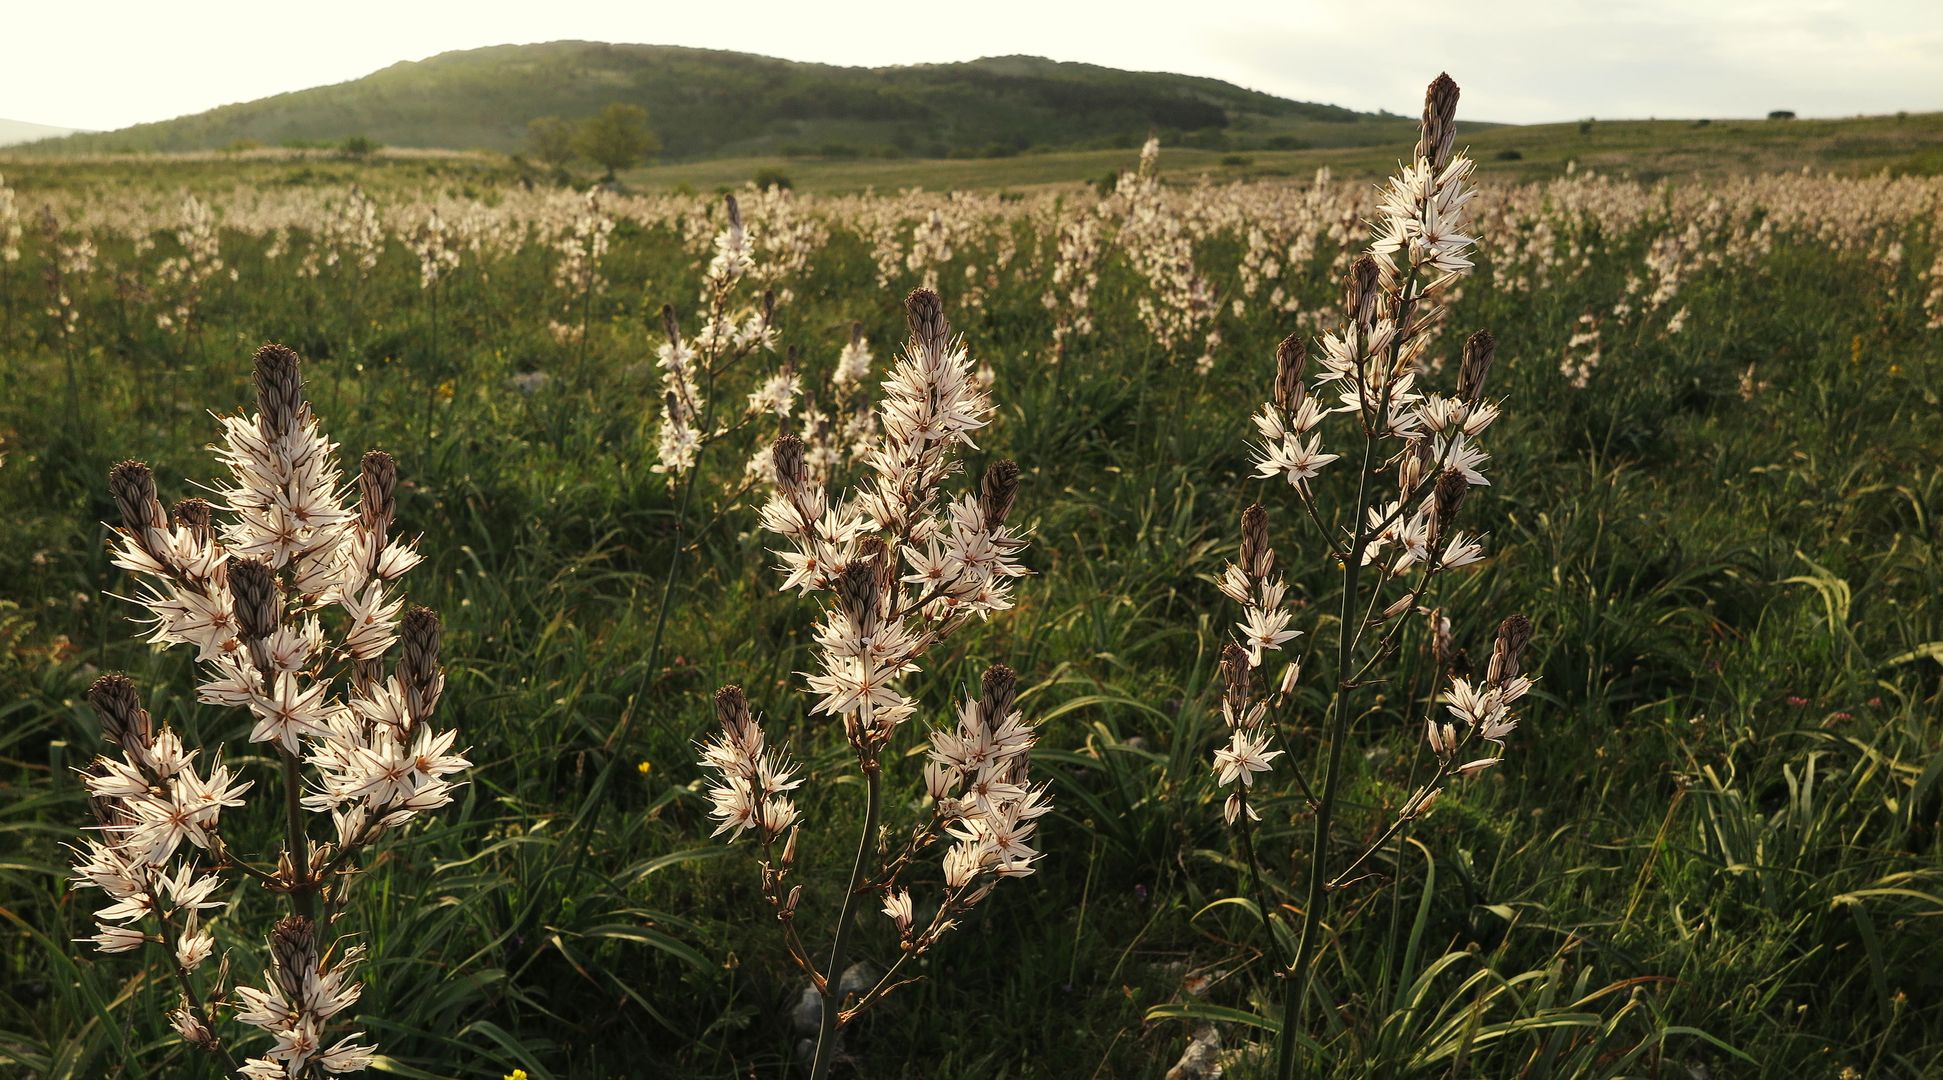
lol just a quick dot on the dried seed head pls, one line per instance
(196, 516)
(998, 689)
(279, 390)
(377, 493)
(926, 314)
(418, 661)
(996, 491)
(133, 486)
(1479, 350)
(1506, 653)
(253, 598)
(732, 708)
(1257, 558)
(1439, 132)
(293, 955)
(1449, 497)
(1235, 689)
(670, 325)
(1363, 290)
(792, 470)
(1290, 357)
(119, 708)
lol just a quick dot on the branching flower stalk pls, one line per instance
(10, 233)
(898, 566)
(293, 608)
(438, 259)
(733, 331)
(577, 275)
(1418, 459)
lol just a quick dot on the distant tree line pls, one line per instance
(614, 138)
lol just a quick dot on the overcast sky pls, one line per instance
(109, 63)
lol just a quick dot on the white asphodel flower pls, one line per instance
(1242, 758)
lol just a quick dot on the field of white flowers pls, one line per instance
(1440, 627)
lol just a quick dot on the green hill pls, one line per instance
(707, 103)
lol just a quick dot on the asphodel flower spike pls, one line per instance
(1420, 457)
(898, 565)
(292, 604)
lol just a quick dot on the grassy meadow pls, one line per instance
(1648, 150)
(1711, 851)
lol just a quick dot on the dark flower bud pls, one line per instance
(1257, 558)
(1290, 357)
(1362, 291)
(996, 490)
(118, 706)
(732, 709)
(293, 955)
(419, 673)
(1235, 676)
(792, 470)
(857, 592)
(196, 516)
(885, 565)
(998, 689)
(1414, 465)
(377, 493)
(1479, 350)
(1447, 499)
(1439, 132)
(133, 486)
(1509, 650)
(1440, 640)
(926, 314)
(279, 390)
(253, 598)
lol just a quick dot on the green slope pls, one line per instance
(707, 103)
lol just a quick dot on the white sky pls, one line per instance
(109, 63)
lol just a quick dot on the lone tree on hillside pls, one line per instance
(551, 139)
(616, 137)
